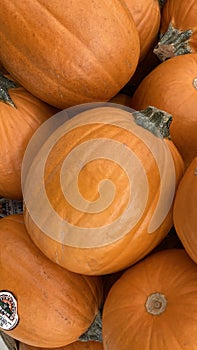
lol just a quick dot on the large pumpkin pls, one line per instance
(89, 345)
(20, 115)
(54, 306)
(104, 186)
(69, 52)
(185, 210)
(178, 31)
(146, 15)
(172, 87)
(153, 305)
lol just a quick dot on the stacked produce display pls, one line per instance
(98, 175)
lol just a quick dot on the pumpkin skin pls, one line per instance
(73, 52)
(89, 345)
(171, 86)
(182, 39)
(137, 304)
(49, 297)
(147, 16)
(184, 212)
(88, 228)
(17, 125)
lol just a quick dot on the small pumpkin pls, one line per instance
(185, 210)
(157, 294)
(147, 16)
(104, 186)
(178, 31)
(172, 87)
(89, 345)
(68, 53)
(20, 115)
(48, 297)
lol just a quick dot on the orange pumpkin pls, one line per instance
(73, 52)
(185, 210)
(156, 295)
(20, 115)
(104, 186)
(178, 31)
(49, 298)
(89, 345)
(147, 16)
(172, 87)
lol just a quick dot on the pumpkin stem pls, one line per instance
(154, 120)
(10, 207)
(5, 85)
(173, 43)
(94, 332)
(156, 304)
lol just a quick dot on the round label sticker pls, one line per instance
(8, 310)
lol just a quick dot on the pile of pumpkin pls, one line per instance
(99, 96)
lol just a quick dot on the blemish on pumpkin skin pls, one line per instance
(195, 172)
(62, 316)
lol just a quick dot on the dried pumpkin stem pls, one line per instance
(156, 304)
(174, 42)
(5, 85)
(154, 120)
(94, 332)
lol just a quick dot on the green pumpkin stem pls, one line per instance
(154, 120)
(94, 332)
(174, 42)
(5, 85)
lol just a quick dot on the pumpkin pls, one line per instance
(172, 87)
(73, 52)
(89, 345)
(20, 115)
(147, 16)
(185, 210)
(178, 31)
(104, 186)
(153, 305)
(43, 295)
